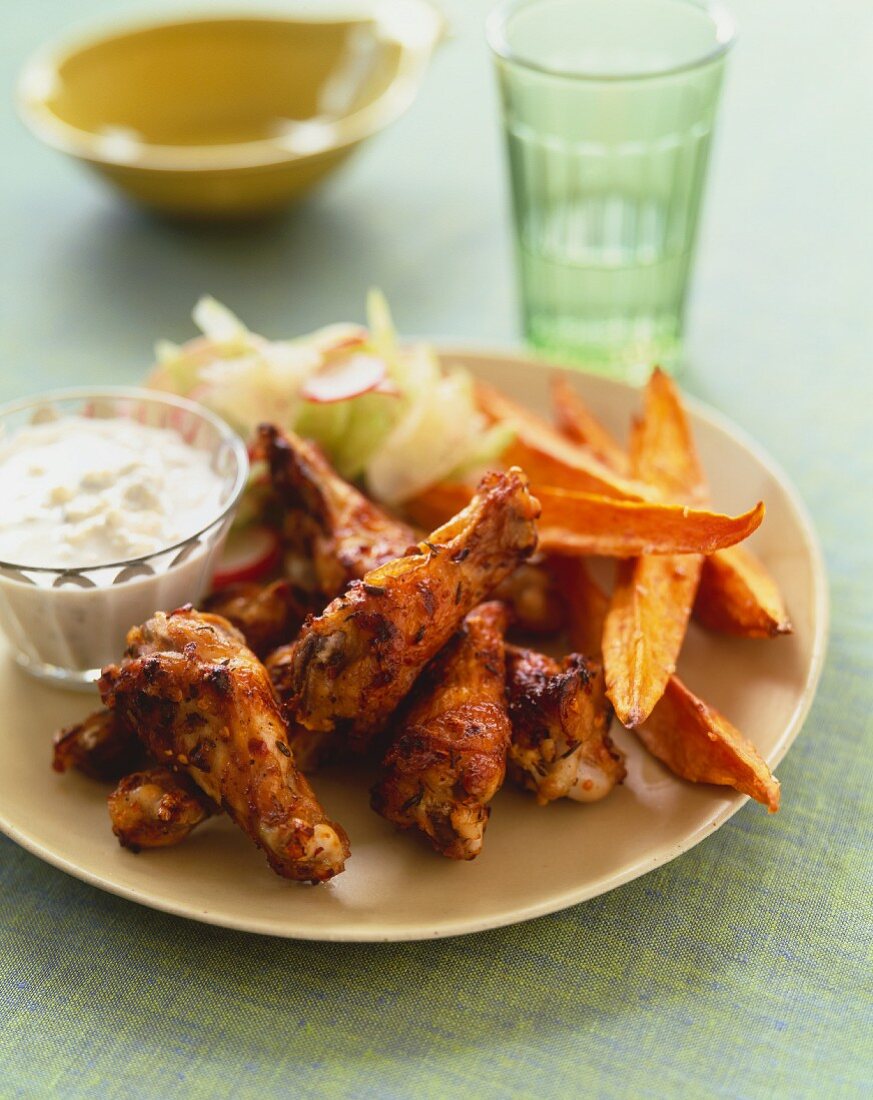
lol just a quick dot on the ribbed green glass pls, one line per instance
(608, 109)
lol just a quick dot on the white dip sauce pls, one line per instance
(78, 492)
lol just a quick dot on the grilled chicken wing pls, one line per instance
(449, 757)
(351, 666)
(156, 808)
(268, 615)
(99, 747)
(560, 720)
(197, 697)
(345, 534)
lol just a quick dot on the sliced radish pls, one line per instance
(249, 555)
(340, 337)
(351, 377)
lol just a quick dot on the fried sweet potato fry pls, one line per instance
(738, 596)
(644, 630)
(663, 453)
(691, 738)
(653, 596)
(580, 523)
(583, 523)
(548, 458)
(575, 421)
(586, 604)
(699, 744)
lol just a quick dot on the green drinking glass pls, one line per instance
(608, 108)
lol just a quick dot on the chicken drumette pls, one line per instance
(344, 534)
(156, 808)
(351, 666)
(199, 699)
(448, 759)
(560, 721)
(101, 748)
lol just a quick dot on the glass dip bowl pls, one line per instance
(65, 623)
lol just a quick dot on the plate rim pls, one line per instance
(665, 853)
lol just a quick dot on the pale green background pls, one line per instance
(742, 969)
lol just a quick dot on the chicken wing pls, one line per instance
(449, 757)
(345, 534)
(156, 808)
(99, 747)
(560, 720)
(351, 666)
(197, 697)
(267, 615)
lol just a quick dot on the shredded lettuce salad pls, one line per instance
(388, 416)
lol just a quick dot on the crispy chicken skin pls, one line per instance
(345, 534)
(448, 759)
(197, 697)
(268, 615)
(99, 746)
(156, 808)
(560, 720)
(351, 666)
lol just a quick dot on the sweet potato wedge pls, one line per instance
(692, 739)
(574, 421)
(586, 604)
(583, 523)
(653, 596)
(699, 744)
(644, 630)
(738, 596)
(663, 453)
(550, 459)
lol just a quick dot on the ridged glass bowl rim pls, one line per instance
(498, 39)
(154, 397)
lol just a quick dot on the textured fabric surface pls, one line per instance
(742, 969)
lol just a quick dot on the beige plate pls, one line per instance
(535, 860)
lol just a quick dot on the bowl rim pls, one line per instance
(139, 393)
(416, 43)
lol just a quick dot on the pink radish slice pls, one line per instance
(351, 377)
(339, 338)
(248, 555)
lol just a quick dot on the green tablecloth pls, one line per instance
(741, 969)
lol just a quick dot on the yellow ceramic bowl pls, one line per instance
(215, 116)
